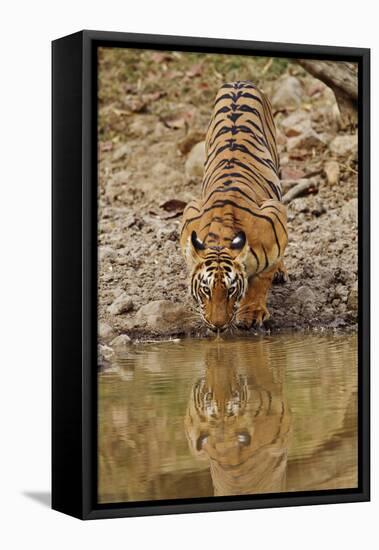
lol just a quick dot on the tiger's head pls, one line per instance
(218, 279)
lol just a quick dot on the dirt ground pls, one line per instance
(154, 108)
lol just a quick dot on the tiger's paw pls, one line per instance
(253, 317)
(280, 276)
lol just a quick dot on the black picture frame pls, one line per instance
(74, 272)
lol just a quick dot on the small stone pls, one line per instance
(298, 122)
(318, 209)
(299, 205)
(106, 253)
(121, 152)
(120, 178)
(288, 93)
(139, 127)
(308, 272)
(332, 172)
(117, 291)
(308, 140)
(104, 330)
(160, 169)
(341, 275)
(159, 131)
(194, 166)
(120, 341)
(344, 145)
(122, 304)
(291, 173)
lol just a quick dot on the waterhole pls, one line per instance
(202, 418)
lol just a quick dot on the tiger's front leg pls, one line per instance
(281, 274)
(253, 310)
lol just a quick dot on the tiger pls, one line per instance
(239, 421)
(234, 236)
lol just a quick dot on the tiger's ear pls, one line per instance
(194, 245)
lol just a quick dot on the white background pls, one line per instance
(26, 31)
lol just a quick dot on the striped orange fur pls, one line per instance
(234, 236)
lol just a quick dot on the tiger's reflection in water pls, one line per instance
(238, 419)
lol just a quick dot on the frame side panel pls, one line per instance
(364, 274)
(67, 275)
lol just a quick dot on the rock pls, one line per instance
(298, 122)
(332, 172)
(344, 145)
(304, 300)
(159, 131)
(121, 152)
(288, 93)
(194, 166)
(107, 277)
(138, 126)
(340, 275)
(106, 253)
(104, 330)
(120, 178)
(318, 208)
(105, 352)
(120, 341)
(160, 169)
(308, 140)
(299, 205)
(121, 304)
(352, 299)
(163, 316)
(308, 271)
(117, 291)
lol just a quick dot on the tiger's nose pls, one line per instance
(219, 328)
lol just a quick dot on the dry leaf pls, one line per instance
(159, 57)
(134, 104)
(195, 70)
(178, 121)
(153, 96)
(106, 146)
(173, 205)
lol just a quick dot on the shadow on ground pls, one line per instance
(42, 497)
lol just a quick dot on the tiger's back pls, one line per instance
(241, 143)
(240, 201)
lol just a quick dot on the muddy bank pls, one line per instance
(152, 122)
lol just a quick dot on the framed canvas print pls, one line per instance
(210, 275)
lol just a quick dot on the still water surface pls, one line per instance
(199, 418)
